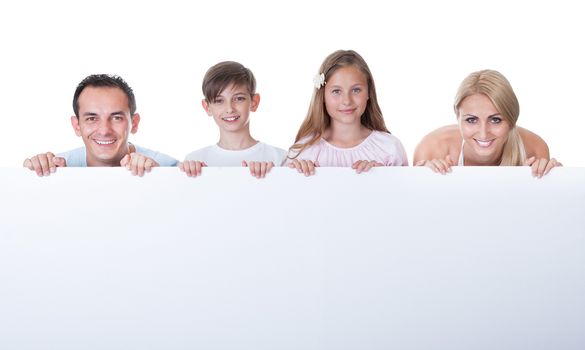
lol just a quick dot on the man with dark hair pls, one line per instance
(105, 115)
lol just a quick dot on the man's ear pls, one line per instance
(135, 120)
(206, 107)
(255, 102)
(75, 125)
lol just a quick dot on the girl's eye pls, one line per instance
(357, 90)
(471, 120)
(335, 91)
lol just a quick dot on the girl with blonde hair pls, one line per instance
(344, 126)
(487, 111)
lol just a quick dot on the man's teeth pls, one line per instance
(230, 119)
(104, 142)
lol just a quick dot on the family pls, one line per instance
(344, 127)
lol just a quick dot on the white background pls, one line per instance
(418, 51)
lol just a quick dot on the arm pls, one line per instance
(433, 151)
(537, 153)
(44, 163)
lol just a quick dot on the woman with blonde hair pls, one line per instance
(344, 126)
(486, 135)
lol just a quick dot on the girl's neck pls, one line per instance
(236, 141)
(346, 135)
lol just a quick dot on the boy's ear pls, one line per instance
(75, 125)
(205, 107)
(255, 102)
(135, 120)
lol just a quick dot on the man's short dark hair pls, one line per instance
(104, 80)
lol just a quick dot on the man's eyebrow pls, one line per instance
(117, 113)
(89, 114)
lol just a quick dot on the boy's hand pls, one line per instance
(44, 163)
(258, 169)
(191, 167)
(137, 163)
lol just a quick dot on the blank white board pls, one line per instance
(397, 258)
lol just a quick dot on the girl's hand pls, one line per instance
(258, 169)
(442, 166)
(304, 166)
(541, 166)
(192, 167)
(364, 165)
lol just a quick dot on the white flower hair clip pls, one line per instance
(319, 80)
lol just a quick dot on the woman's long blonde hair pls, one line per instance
(496, 87)
(318, 120)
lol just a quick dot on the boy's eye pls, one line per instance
(240, 98)
(218, 101)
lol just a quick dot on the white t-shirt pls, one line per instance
(216, 156)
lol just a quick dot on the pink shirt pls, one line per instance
(379, 146)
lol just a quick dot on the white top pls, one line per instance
(379, 146)
(216, 156)
(461, 161)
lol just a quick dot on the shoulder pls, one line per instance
(533, 144)
(201, 153)
(161, 158)
(75, 157)
(273, 153)
(438, 143)
(384, 138)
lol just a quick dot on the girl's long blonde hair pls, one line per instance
(496, 87)
(318, 120)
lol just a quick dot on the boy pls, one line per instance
(230, 95)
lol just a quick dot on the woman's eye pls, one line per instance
(496, 120)
(357, 90)
(471, 120)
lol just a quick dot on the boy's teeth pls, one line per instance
(230, 119)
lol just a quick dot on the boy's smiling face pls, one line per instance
(231, 108)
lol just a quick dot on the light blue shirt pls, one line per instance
(78, 158)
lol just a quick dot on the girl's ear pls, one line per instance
(255, 102)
